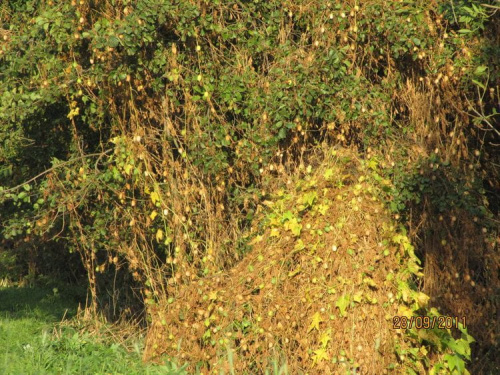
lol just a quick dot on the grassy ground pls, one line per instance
(31, 341)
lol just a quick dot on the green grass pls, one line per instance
(28, 346)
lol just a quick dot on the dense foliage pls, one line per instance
(144, 135)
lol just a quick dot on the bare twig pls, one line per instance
(54, 168)
(483, 117)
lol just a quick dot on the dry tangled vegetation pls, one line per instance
(319, 290)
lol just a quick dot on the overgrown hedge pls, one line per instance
(155, 128)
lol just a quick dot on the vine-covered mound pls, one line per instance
(321, 290)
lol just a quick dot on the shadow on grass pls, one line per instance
(27, 346)
(50, 303)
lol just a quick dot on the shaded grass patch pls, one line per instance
(31, 341)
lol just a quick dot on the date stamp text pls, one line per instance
(428, 322)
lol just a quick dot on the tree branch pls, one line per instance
(100, 154)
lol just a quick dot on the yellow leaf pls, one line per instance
(159, 235)
(328, 174)
(369, 281)
(212, 295)
(274, 221)
(153, 215)
(293, 226)
(322, 208)
(319, 355)
(422, 299)
(154, 197)
(316, 320)
(128, 168)
(405, 291)
(325, 338)
(342, 303)
(358, 297)
(372, 300)
(74, 112)
(404, 311)
(275, 232)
